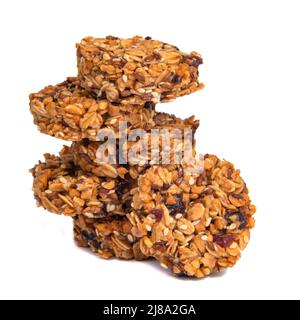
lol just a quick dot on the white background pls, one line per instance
(249, 114)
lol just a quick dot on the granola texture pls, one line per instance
(193, 224)
(139, 152)
(136, 70)
(192, 214)
(66, 111)
(108, 237)
(62, 187)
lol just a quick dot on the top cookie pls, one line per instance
(136, 70)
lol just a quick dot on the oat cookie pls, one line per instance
(141, 151)
(136, 70)
(108, 237)
(68, 112)
(194, 224)
(62, 187)
(192, 214)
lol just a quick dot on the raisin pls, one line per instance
(155, 187)
(224, 240)
(85, 142)
(72, 169)
(207, 192)
(176, 79)
(121, 188)
(196, 62)
(201, 179)
(243, 219)
(193, 61)
(111, 38)
(156, 56)
(228, 216)
(176, 208)
(87, 235)
(240, 217)
(158, 213)
(102, 212)
(149, 105)
(165, 186)
(95, 244)
(115, 217)
(127, 205)
(148, 38)
(237, 196)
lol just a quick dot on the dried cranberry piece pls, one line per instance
(224, 240)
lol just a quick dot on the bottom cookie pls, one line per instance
(107, 237)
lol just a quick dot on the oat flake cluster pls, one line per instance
(193, 222)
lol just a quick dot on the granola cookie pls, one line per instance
(194, 224)
(136, 70)
(141, 151)
(68, 112)
(62, 187)
(108, 237)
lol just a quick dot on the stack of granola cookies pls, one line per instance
(131, 180)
